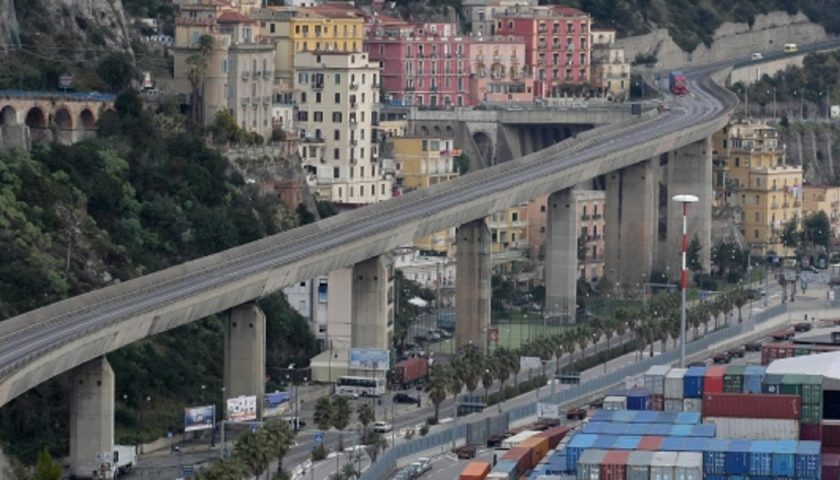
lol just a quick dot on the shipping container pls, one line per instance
(687, 418)
(714, 456)
(811, 414)
(689, 466)
(812, 389)
(673, 405)
(831, 433)
(830, 466)
(706, 430)
(520, 437)
(654, 379)
(650, 443)
(614, 465)
(783, 458)
(602, 416)
(787, 407)
(696, 444)
(577, 444)
(410, 371)
(657, 402)
(693, 382)
(674, 385)
(677, 82)
(494, 475)
(637, 429)
(810, 432)
(755, 428)
(504, 467)
(614, 402)
(672, 444)
(538, 447)
(605, 442)
(475, 471)
(661, 429)
(761, 457)
(555, 435)
(589, 464)
(733, 379)
(595, 428)
(771, 384)
(645, 417)
(616, 428)
(681, 430)
(638, 465)
(627, 442)
(624, 416)
(791, 384)
(662, 465)
(807, 460)
(522, 456)
(693, 405)
(738, 457)
(753, 377)
(713, 379)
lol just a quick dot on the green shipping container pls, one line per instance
(791, 385)
(733, 379)
(798, 352)
(812, 389)
(811, 414)
(771, 383)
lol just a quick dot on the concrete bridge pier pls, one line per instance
(244, 368)
(630, 226)
(561, 259)
(91, 417)
(473, 287)
(370, 312)
(689, 172)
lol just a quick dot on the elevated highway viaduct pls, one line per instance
(75, 334)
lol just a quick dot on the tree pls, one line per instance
(341, 414)
(817, 229)
(116, 70)
(222, 470)
(790, 234)
(197, 64)
(323, 414)
(47, 468)
(462, 163)
(225, 129)
(437, 385)
(739, 299)
(693, 255)
(279, 438)
(252, 450)
(376, 444)
(365, 414)
(487, 376)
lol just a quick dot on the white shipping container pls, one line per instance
(655, 379)
(673, 405)
(755, 428)
(589, 464)
(674, 383)
(515, 440)
(638, 465)
(615, 403)
(689, 466)
(662, 465)
(693, 405)
(498, 476)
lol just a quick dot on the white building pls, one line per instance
(337, 96)
(429, 271)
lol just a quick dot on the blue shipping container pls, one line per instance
(672, 444)
(695, 444)
(604, 442)
(603, 416)
(693, 382)
(807, 460)
(507, 467)
(687, 418)
(624, 416)
(738, 457)
(637, 429)
(706, 430)
(660, 429)
(595, 428)
(783, 465)
(615, 428)
(714, 457)
(627, 442)
(761, 457)
(575, 448)
(753, 375)
(647, 416)
(638, 399)
(667, 417)
(681, 430)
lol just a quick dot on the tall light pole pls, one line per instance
(685, 200)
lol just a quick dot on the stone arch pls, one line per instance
(8, 116)
(450, 133)
(424, 131)
(63, 122)
(87, 119)
(36, 120)
(436, 128)
(484, 144)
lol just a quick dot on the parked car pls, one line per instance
(424, 464)
(382, 427)
(404, 398)
(757, 56)
(754, 293)
(785, 334)
(753, 347)
(737, 352)
(725, 357)
(802, 327)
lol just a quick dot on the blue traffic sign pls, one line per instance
(319, 437)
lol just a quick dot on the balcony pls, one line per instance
(354, 86)
(353, 105)
(597, 216)
(354, 142)
(318, 86)
(246, 75)
(353, 124)
(256, 74)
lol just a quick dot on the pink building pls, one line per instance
(499, 72)
(557, 48)
(423, 64)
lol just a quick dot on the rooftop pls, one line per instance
(230, 16)
(825, 364)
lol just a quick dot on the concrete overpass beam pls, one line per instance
(690, 172)
(371, 313)
(245, 353)
(561, 262)
(91, 417)
(630, 229)
(473, 288)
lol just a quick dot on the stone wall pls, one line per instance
(732, 40)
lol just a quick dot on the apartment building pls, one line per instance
(499, 72)
(423, 64)
(337, 94)
(557, 46)
(421, 162)
(610, 70)
(238, 73)
(766, 191)
(509, 230)
(481, 13)
(823, 198)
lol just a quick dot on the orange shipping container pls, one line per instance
(538, 446)
(475, 471)
(713, 380)
(555, 435)
(522, 456)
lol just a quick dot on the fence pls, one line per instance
(388, 461)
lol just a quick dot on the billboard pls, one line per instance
(835, 111)
(371, 359)
(529, 363)
(275, 404)
(199, 418)
(242, 409)
(548, 410)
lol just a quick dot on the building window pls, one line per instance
(337, 97)
(318, 117)
(317, 97)
(302, 97)
(338, 79)
(757, 217)
(336, 117)
(336, 154)
(337, 134)
(335, 172)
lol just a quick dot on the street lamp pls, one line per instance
(685, 200)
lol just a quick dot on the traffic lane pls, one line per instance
(446, 467)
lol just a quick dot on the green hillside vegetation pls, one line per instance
(818, 77)
(146, 195)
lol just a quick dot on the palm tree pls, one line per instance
(469, 367)
(252, 451)
(348, 471)
(279, 438)
(582, 339)
(376, 445)
(341, 413)
(501, 363)
(739, 299)
(197, 65)
(222, 470)
(366, 416)
(487, 377)
(323, 413)
(569, 342)
(437, 385)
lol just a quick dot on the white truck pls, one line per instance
(124, 458)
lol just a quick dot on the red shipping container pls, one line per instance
(830, 434)
(752, 405)
(522, 457)
(810, 432)
(614, 465)
(830, 466)
(713, 380)
(833, 450)
(649, 443)
(555, 435)
(410, 370)
(657, 402)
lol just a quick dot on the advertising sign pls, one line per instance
(835, 111)
(370, 359)
(199, 418)
(242, 409)
(275, 404)
(548, 410)
(529, 363)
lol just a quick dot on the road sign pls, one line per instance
(65, 81)
(319, 437)
(187, 471)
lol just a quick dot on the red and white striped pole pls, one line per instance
(685, 200)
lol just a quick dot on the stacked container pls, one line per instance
(662, 465)
(689, 466)
(674, 390)
(830, 466)
(759, 416)
(654, 380)
(693, 382)
(504, 470)
(753, 378)
(638, 465)
(714, 457)
(615, 402)
(714, 379)
(614, 465)
(590, 463)
(733, 379)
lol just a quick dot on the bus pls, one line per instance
(790, 47)
(360, 386)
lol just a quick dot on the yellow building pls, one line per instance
(420, 162)
(509, 229)
(823, 198)
(757, 181)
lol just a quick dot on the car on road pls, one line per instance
(725, 357)
(404, 398)
(403, 475)
(737, 352)
(757, 56)
(754, 293)
(753, 347)
(421, 466)
(382, 427)
(785, 334)
(802, 327)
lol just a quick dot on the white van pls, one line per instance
(756, 56)
(791, 47)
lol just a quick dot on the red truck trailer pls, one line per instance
(410, 371)
(677, 82)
